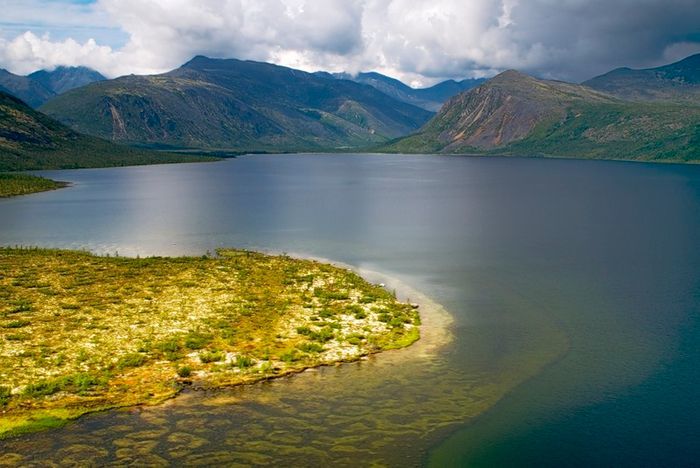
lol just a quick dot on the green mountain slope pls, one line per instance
(24, 88)
(678, 82)
(516, 114)
(236, 105)
(31, 140)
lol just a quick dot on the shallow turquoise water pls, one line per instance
(574, 287)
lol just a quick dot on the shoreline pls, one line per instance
(15, 184)
(435, 334)
(435, 319)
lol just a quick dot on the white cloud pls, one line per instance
(415, 40)
(680, 50)
(28, 52)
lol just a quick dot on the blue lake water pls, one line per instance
(574, 287)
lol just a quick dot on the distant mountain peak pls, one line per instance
(678, 81)
(431, 98)
(199, 60)
(511, 74)
(40, 86)
(28, 90)
(64, 78)
(510, 77)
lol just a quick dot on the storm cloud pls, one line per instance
(418, 41)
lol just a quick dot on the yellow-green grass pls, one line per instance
(21, 184)
(80, 332)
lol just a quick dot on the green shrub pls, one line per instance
(21, 306)
(368, 299)
(331, 295)
(324, 335)
(243, 362)
(355, 339)
(326, 313)
(42, 388)
(81, 383)
(289, 356)
(184, 371)
(196, 340)
(306, 331)
(17, 337)
(5, 395)
(168, 346)
(397, 322)
(17, 324)
(353, 309)
(338, 295)
(131, 360)
(310, 347)
(211, 356)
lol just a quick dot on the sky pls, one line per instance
(420, 42)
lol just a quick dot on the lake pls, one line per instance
(573, 286)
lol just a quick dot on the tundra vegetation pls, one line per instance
(22, 184)
(81, 333)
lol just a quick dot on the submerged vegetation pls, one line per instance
(21, 184)
(80, 332)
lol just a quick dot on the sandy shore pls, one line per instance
(436, 321)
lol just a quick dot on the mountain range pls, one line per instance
(37, 88)
(431, 98)
(654, 118)
(232, 105)
(235, 104)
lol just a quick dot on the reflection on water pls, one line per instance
(571, 285)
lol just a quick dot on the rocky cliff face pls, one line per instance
(505, 109)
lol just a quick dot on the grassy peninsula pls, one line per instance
(81, 333)
(22, 184)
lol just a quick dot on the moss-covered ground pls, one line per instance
(81, 333)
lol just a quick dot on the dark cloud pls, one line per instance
(584, 38)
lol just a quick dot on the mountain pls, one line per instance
(31, 140)
(443, 91)
(678, 82)
(63, 79)
(24, 88)
(234, 104)
(515, 114)
(40, 86)
(428, 98)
